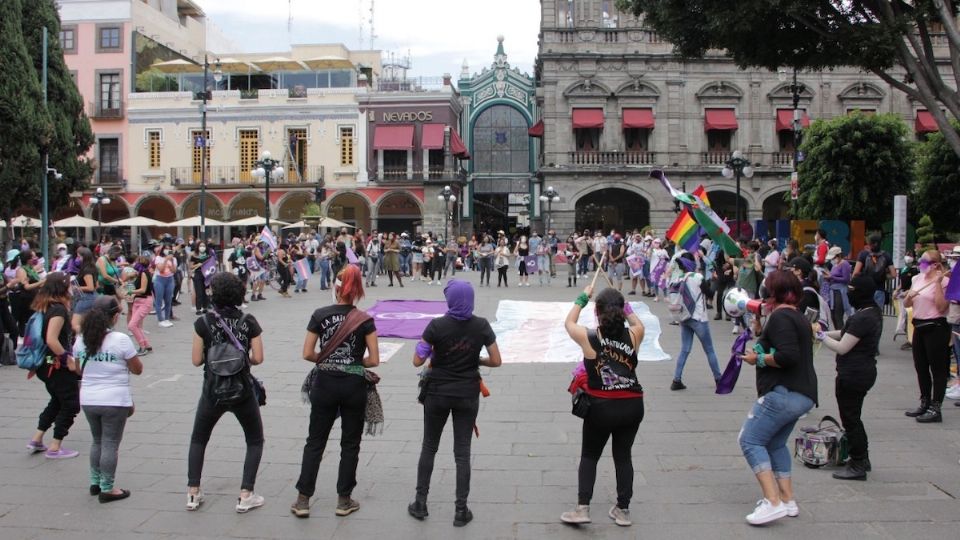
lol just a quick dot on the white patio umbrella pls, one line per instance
(254, 221)
(137, 221)
(297, 225)
(76, 222)
(334, 224)
(24, 221)
(195, 222)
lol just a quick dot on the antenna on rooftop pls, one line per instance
(373, 33)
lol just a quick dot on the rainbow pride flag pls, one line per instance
(685, 232)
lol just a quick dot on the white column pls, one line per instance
(379, 164)
(426, 164)
(360, 150)
(409, 164)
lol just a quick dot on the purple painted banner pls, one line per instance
(405, 319)
(531, 262)
(953, 286)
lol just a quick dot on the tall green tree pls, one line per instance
(71, 135)
(884, 37)
(937, 192)
(24, 124)
(853, 168)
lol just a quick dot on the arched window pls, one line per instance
(500, 141)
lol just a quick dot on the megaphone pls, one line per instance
(737, 303)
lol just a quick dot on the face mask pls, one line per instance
(203, 249)
(861, 292)
(167, 252)
(62, 252)
(34, 261)
(924, 266)
(908, 260)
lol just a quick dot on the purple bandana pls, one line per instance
(732, 372)
(459, 295)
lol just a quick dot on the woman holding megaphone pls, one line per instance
(787, 389)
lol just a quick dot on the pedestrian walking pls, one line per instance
(452, 344)
(105, 358)
(693, 295)
(337, 387)
(787, 389)
(225, 326)
(608, 378)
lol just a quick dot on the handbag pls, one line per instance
(581, 403)
(822, 444)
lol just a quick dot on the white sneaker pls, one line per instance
(620, 516)
(245, 504)
(953, 392)
(765, 512)
(194, 501)
(579, 514)
(793, 510)
(165, 324)
(735, 330)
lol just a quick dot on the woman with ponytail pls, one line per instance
(106, 359)
(341, 341)
(608, 379)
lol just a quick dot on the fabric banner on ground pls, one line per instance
(388, 349)
(405, 319)
(533, 332)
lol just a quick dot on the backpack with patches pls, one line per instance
(227, 382)
(824, 318)
(33, 352)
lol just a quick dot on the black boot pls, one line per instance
(418, 509)
(932, 415)
(855, 470)
(462, 516)
(866, 463)
(924, 403)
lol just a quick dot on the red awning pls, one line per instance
(785, 119)
(536, 130)
(457, 148)
(638, 118)
(720, 119)
(587, 118)
(431, 136)
(394, 138)
(925, 123)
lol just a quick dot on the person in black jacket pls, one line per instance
(787, 389)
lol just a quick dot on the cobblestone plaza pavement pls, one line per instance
(690, 482)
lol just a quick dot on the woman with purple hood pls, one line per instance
(453, 388)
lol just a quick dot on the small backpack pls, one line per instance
(227, 381)
(675, 304)
(826, 321)
(821, 444)
(33, 352)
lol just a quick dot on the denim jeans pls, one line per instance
(163, 297)
(880, 297)
(405, 263)
(583, 264)
(372, 269)
(688, 328)
(324, 273)
(436, 410)
(763, 437)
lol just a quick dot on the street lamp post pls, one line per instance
(99, 198)
(738, 166)
(447, 196)
(203, 142)
(267, 168)
(550, 196)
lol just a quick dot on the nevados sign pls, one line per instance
(413, 116)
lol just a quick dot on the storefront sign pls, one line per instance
(407, 117)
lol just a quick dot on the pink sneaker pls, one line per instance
(36, 447)
(62, 453)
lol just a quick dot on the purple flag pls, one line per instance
(209, 268)
(953, 287)
(732, 372)
(531, 262)
(352, 257)
(405, 319)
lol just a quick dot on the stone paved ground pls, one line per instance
(690, 481)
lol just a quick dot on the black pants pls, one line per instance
(63, 386)
(621, 419)
(437, 271)
(9, 324)
(436, 409)
(931, 357)
(485, 266)
(248, 414)
(283, 272)
(200, 291)
(851, 392)
(502, 275)
(332, 394)
(722, 287)
(177, 284)
(20, 309)
(836, 313)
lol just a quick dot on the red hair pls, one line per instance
(784, 287)
(350, 284)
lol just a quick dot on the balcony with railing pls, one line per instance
(108, 178)
(106, 111)
(228, 176)
(782, 159)
(714, 158)
(611, 158)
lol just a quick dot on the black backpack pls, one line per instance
(227, 382)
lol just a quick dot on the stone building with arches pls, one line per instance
(616, 103)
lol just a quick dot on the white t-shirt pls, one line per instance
(106, 379)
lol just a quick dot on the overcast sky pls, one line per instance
(437, 34)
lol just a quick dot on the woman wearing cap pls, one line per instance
(787, 389)
(105, 358)
(931, 335)
(452, 389)
(836, 283)
(857, 349)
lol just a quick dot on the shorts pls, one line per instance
(616, 270)
(84, 303)
(418, 258)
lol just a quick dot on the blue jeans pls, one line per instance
(163, 297)
(688, 328)
(324, 273)
(583, 264)
(880, 297)
(763, 437)
(405, 263)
